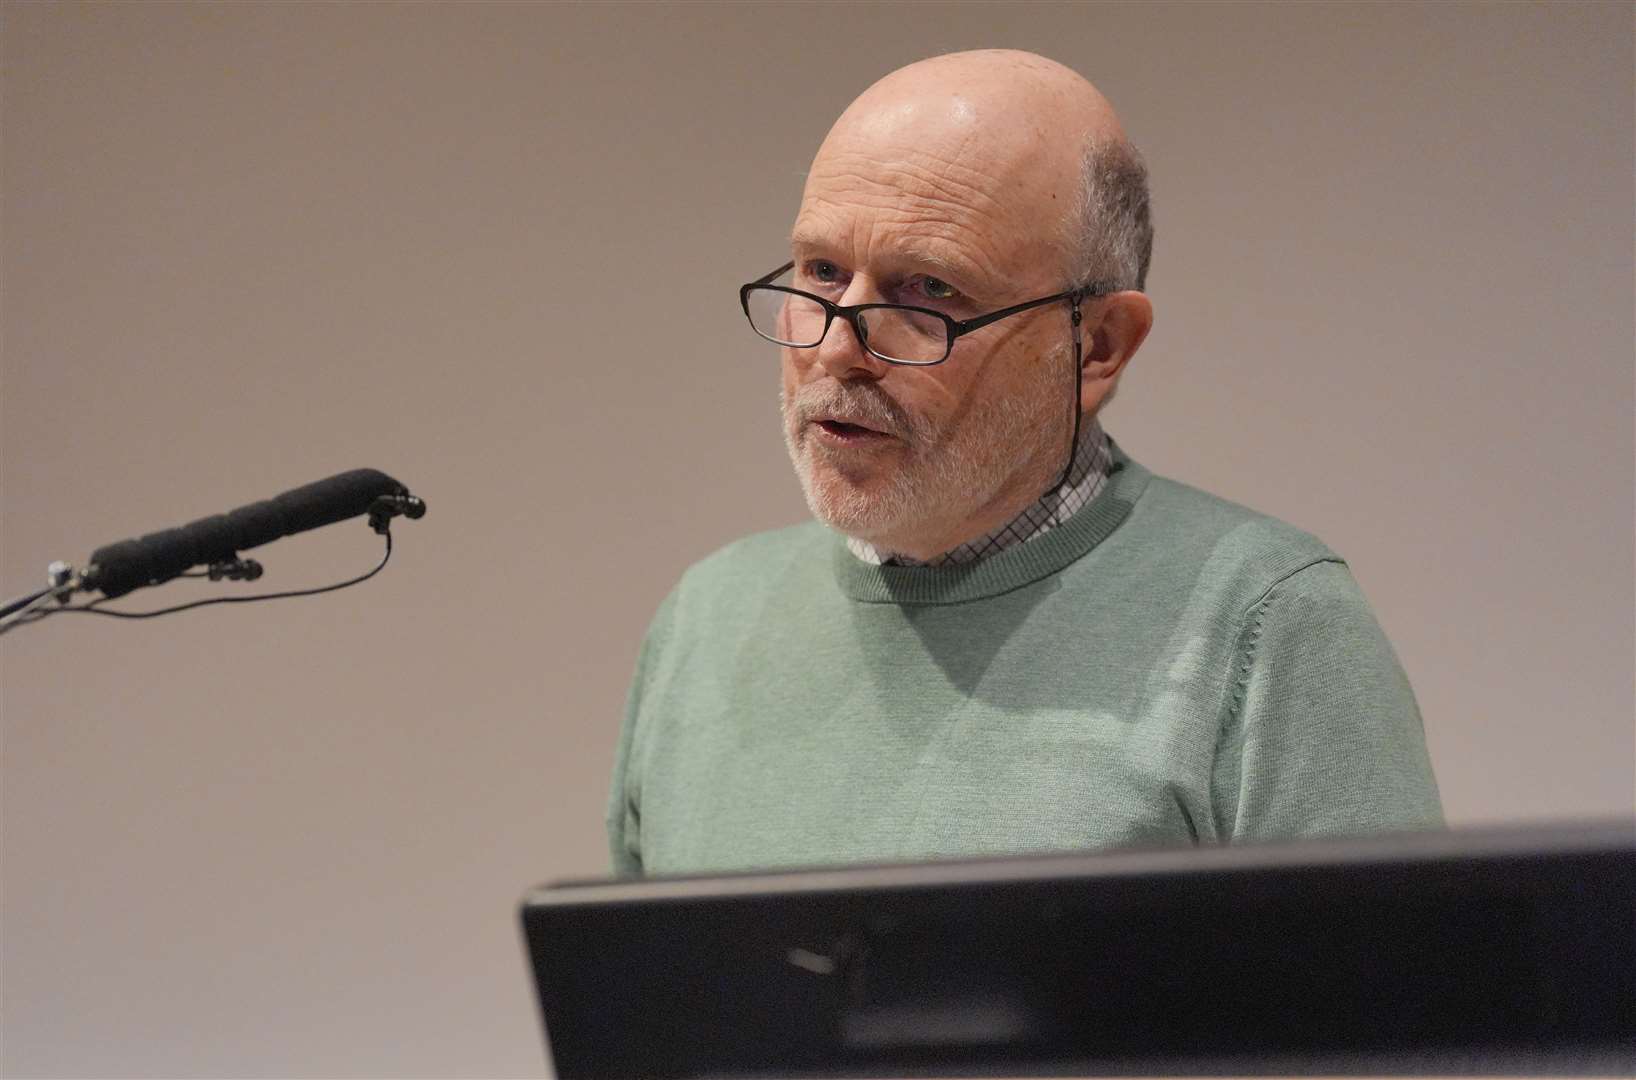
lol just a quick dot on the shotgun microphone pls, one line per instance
(117, 569)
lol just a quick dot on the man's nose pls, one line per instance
(842, 355)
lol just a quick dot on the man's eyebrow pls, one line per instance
(807, 241)
(956, 269)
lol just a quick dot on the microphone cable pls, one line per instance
(95, 607)
(37, 609)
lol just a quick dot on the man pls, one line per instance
(959, 664)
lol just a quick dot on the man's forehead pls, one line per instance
(895, 247)
(957, 176)
(893, 210)
(950, 155)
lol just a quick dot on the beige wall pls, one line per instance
(494, 249)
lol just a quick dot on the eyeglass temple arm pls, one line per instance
(1099, 288)
(767, 278)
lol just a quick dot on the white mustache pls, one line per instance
(863, 404)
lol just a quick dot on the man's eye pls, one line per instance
(820, 275)
(936, 289)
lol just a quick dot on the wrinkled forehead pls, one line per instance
(947, 178)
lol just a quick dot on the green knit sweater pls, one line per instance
(1165, 668)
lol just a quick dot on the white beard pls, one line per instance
(943, 477)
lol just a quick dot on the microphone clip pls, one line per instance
(234, 570)
(387, 507)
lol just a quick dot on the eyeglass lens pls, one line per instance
(890, 333)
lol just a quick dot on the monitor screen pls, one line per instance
(1462, 952)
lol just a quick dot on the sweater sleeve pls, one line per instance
(624, 817)
(1322, 736)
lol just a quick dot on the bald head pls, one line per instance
(997, 92)
(1022, 137)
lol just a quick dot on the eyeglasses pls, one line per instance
(895, 333)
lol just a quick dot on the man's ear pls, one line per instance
(1117, 332)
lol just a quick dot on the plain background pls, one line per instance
(494, 251)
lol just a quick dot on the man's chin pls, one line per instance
(859, 507)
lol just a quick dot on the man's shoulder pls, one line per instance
(723, 583)
(1198, 526)
(1223, 516)
(770, 546)
(760, 557)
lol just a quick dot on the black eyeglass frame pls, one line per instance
(957, 328)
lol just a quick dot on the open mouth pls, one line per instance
(840, 431)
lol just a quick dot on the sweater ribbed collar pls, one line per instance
(1011, 569)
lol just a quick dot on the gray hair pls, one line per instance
(1109, 231)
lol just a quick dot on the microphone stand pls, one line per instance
(64, 581)
(23, 601)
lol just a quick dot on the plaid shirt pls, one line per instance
(1092, 460)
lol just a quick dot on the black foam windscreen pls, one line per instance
(116, 569)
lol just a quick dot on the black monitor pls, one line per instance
(1502, 952)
